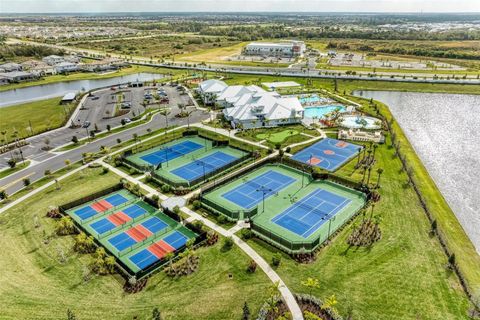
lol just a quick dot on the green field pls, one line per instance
(403, 276)
(42, 115)
(284, 199)
(35, 285)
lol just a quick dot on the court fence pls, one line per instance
(90, 197)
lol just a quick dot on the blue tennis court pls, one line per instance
(85, 212)
(250, 193)
(176, 240)
(154, 224)
(205, 165)
(116, 199)
(144, 259)
(134, 211)
(171, 152)
(122, 241)
(328, 154)
(103, 226)
(307, 215)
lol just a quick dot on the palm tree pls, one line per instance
(379, 172)
(369, 171)
(364, 172)
(165, 112)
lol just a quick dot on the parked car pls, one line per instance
(126, 105)
(95, 97)
(86, 124)
(126, 120)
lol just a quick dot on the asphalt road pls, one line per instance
(55, 161)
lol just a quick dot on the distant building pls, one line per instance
(3, 81)
(18, 76)
(287, 49)
(63, 67)
(53, 59)
(209, 90)
(103, 65)
(43, 69)
(10, 66)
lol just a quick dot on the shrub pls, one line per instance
(221, 219)
(47, 172)
(252, 266)
(196, 204)
(246, 234)
(119, 140)
(165, 188)
(26, 182)
(227, 243)
(3, 195)
(148, 177)
(278, 146)
(288, 149)
(75, 139)
(105, 170)
(270, 151)
(12, 163)
(176, 210)
(155, 198)
(65, 226)
(276, 259)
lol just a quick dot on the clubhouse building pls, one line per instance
(250, 107)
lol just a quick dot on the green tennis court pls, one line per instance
(291, 208)
(188, 161)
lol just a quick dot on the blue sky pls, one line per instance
(41, 6)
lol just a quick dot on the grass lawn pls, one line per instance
(43, 115)
(221, 55)
(35, 285)
(403, 276)
(284, 135)
(18, 167)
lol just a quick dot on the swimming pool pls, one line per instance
(358, 122)
(319, 112)
(313, 99)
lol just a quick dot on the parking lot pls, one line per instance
(110, 106)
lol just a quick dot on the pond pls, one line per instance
(51, 90)
(444, 129)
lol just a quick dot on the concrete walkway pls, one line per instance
(285, 292)
(271, 274)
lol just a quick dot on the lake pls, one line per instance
(444, 129)
(41, 92)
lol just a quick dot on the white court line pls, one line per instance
(327, 214)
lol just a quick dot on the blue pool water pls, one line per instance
(320, 111)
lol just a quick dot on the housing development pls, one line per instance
(238, 165)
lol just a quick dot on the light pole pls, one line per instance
(264, 191)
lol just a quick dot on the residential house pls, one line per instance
(10, 66)
(18, 76)
(53, 60)
(63, 67)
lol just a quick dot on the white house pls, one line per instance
(43, 69)
(209, 90)
(279, 49)
(10, 66)
(228, 97)
(63, 67)
(53, 59)
(18, 76)
(264, 109)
